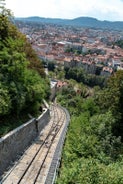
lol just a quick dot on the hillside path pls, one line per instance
(39, 162)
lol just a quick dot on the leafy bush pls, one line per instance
(92, 153)
(5, 102)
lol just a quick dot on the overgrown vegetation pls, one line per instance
(93, 151)
(80, 75)
(23, 84)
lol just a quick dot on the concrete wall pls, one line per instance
(43, 120)
(15, 142)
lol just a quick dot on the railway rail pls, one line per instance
(33, 167)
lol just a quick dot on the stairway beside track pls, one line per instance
(38, 163)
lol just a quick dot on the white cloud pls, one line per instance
(104, 9)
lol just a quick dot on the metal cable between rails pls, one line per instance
(52, 174)
(54, 125)
(56, 118)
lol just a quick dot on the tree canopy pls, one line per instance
(23, 83)
(93, 151)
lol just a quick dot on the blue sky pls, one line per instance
(100, 9)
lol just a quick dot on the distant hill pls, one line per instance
(80, 21)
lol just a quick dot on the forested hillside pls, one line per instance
(93, 151)
(23, 83)
(77, 22)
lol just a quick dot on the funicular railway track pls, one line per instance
(33, 166)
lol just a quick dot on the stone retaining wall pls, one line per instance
(15, 142)
(41, 121)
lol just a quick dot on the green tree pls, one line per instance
(111, 98)
(51, 66)
(5, 14)
(5, 101)
(22, 80)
